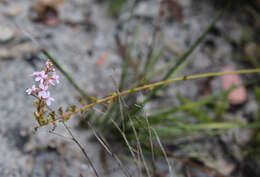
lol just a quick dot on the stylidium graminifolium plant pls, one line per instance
(43, 80)
(44, 114)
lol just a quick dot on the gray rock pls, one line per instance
(147, 9)
(4, 54)
(18, 51)
(6, 34)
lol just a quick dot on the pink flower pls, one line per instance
(48, 98)
(42, 94)
(40, 76)
(43, 87)
(30, 90)
(55, 77)
(48, 64)
(45, 78)
(50, 81)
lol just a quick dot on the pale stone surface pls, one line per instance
(238, 95)
(6, 34)
(72, 48)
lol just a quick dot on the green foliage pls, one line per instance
(115, 7)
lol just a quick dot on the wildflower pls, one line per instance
(56, 77)
(52, 78)
(45, 78)
(50, 81)
(42, 94)
(43, 87)
(40, 76)
(48, 98)
(30, 90)
(48, 64)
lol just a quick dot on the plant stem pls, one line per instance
(186, 54)
(153, 85)
(66, 75)
(81, 148)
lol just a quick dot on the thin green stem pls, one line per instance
(186, 55)
(66, 75)
(153, 85)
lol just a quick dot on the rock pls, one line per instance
(46, 12)
(6, 34)
(221, 165)
(236, 139)
(4, 53)
(14, 11)
(243, 136)
(238, 95)
(23, 49)
(252, 51)
(146, 9)
(19, 50)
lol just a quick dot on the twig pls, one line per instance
(121, 110)
(156, 29)
(150, 139)
(140, 148)
(108, 149)
(203, 168)
(62, 160)
(163, 151)
(81, 148)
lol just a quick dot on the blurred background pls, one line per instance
(93, 41)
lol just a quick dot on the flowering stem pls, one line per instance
(151, 86)
(66, 75)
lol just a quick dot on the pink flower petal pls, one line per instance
(42, 94)
(48, 64)
(29, 91)
(43, 87)
(48, 102)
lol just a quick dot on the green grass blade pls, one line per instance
(185, 56)
(66, 75)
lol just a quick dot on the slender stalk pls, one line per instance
(139, 147)
(75, 140)
(81, 148)
(152, 86)
(156, 29)
(106, 146)
(164, 152)
(184, 57)
(66, 75)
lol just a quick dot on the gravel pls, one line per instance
(24, 153)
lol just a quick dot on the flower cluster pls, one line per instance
(45, 115)
(44, 79)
